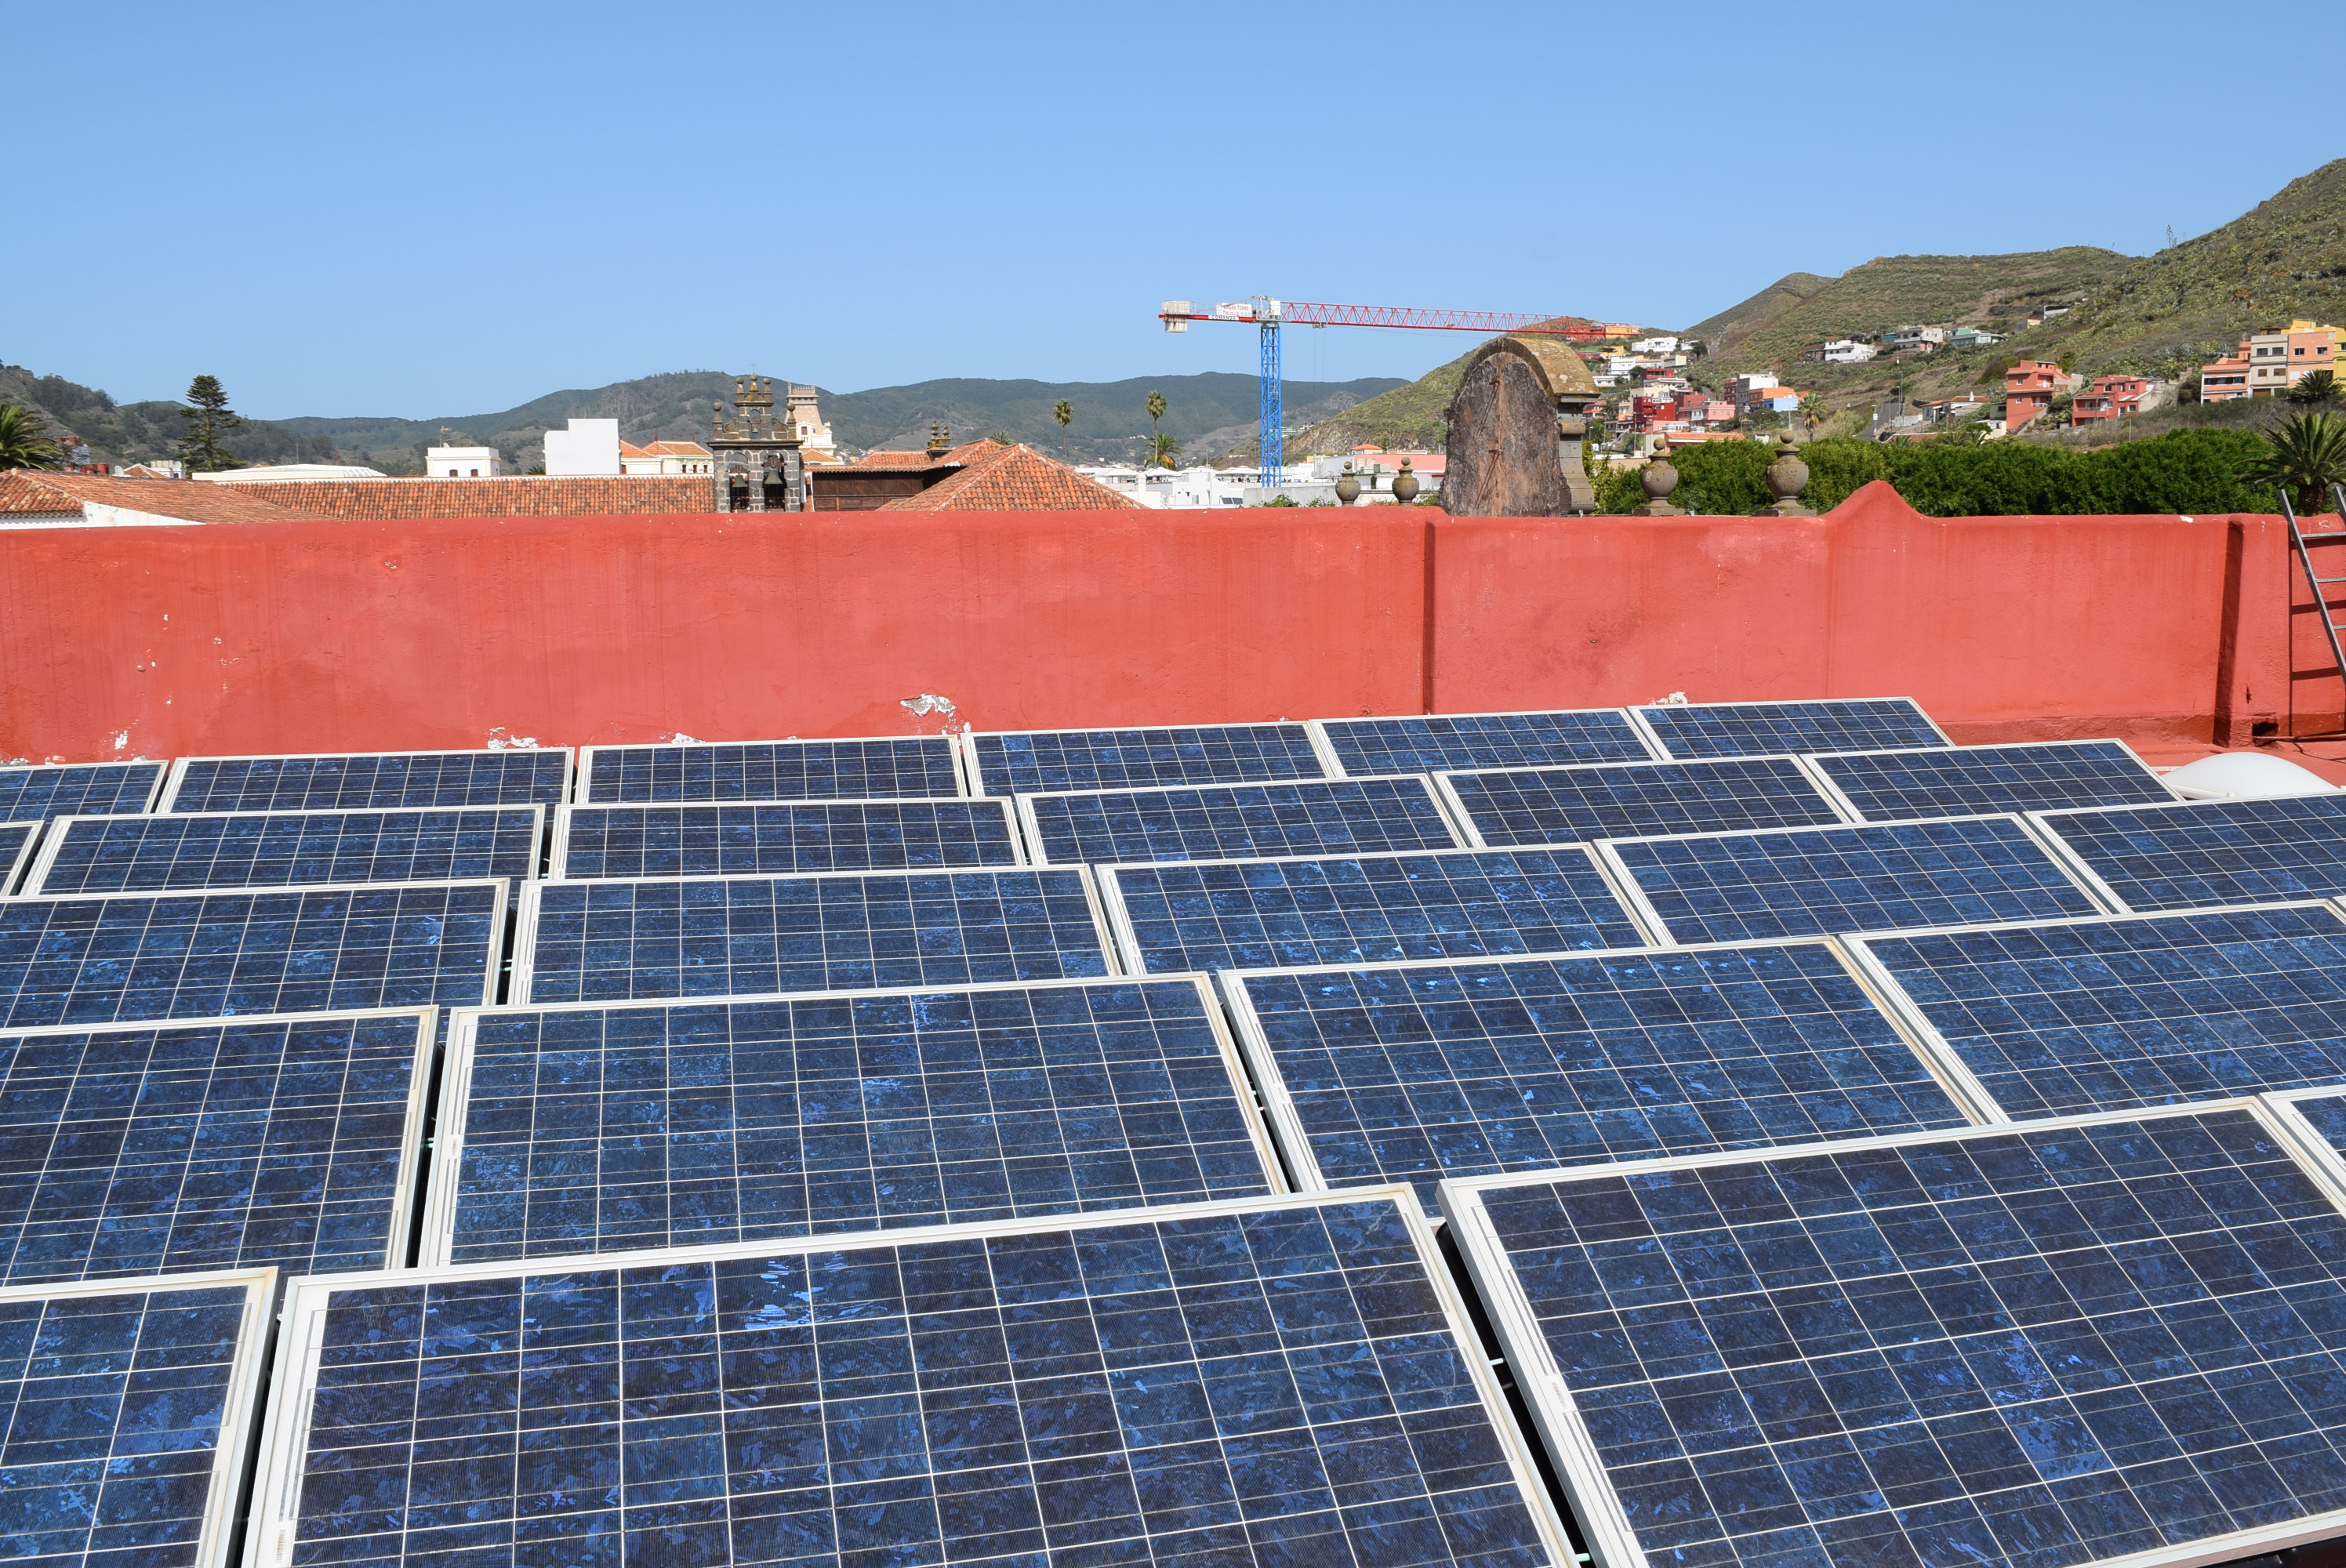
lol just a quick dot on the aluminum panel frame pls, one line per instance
(13, 868)
(527, 910)
(1605, 1525)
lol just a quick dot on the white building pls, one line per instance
(1665, 345)
(1176, 489)
(461, 462)
(1926, 340)
(664, 457)
(274, 473)
(815, 444)
(588, 449)
(1846, 352)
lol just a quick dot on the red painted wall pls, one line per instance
(370, 636)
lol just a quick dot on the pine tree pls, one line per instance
(210, 419)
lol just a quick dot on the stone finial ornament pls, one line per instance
(1348, 486)
(1659, 479)
(1787, 477)
(1406, 485)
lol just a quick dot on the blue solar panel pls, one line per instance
(1773, 729)
(601, 942)
(516, 775)
(1228, 822)
(1285, 1383)
(2323, 1111)
(1420, 1072)
(1569, 805)
(17, 841)
(124, 956)
(726, 840)
(2046, 1345)
(1813, 881)
(2112, 1015)
(597, 1129)
(1023, 762)
(152, 1149)
(127, 1412)
(276, 849)
(1436, 742)
(1975, 780)
(904, 765)
(2212, 851)
(1176, 916)
(77, 790)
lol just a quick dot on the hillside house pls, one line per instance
(2220, 380)
(2112, 397)
(2030, 387)
(1914, 339)
(2278, 359)
(1845, 351)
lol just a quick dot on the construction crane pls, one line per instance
(1270, 314)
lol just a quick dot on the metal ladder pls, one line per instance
(2313, 577)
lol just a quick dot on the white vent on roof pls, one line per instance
(2245, 775)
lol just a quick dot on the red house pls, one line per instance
(2029, 387)
(2109, 397)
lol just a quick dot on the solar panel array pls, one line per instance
(1888, 786)
(599, 942)
(734, 839)
(908, 766)
(277, 849)
(1026, 762)
(604, 1128)
(902, 1133)
(1177, 916)
(1567, 805)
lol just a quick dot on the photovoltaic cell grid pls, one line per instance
(154, 854)
(2325, 1113)
(600, 1129)
(1773, 728)
(2111, 1015)
(80, 789)
(907, 766)
(599, 942)
(1435, 743)
(16, 849)
(1181, 916)
(123, 1411)
(518, 776)
(131, 956)
(1975, 780)
(1023, 762)
(1815, 881)
(1450, 1070)
(2044, 1346)
(136, 1150)
(1571, 805)
(1285, 1386)
(1239, 822)
(710, 840)
(2213, 851)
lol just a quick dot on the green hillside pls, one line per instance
(1724, 332)
(1407, 416)
(128, 432)
(2167, 312)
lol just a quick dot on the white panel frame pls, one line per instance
(277, 1498)
(2316, 1149)
(1457, 802)
(179, 773)
(1326, 740)
(560, 849)
(975, 769)
(1916, 1022)
(239, 1412)
(584, 779)
(440, 1202)
(502, 928)
(1661, 747)
(54, 844)
(528, 907)
(2047, 824)
(1040, 851)
(1612, 1541)
(1632, 888)
(1135, 957)
(1814, 762)
(406, 1187)
(12, 869)
(1287, 1122)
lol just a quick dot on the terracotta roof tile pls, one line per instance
(25, 490)
(517, 495)
(995, 478)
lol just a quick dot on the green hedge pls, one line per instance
(2184, 472)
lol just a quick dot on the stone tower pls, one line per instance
(757, 465)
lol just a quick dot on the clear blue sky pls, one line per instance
(430, 210)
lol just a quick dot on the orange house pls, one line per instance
(2029, 387)
(2110, 397)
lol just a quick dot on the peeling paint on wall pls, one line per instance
(503, 739)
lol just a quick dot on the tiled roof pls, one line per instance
(663, 449)
(23, 490)
(519, 496)
(995, 478)
(900, 459)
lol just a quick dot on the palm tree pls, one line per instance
(2305, 454)
(1155, 412)
(2315, 386)
(24, 440)
(1064, 412)
(1812, 413)
(1164, 450)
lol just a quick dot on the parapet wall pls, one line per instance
(357, 636)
